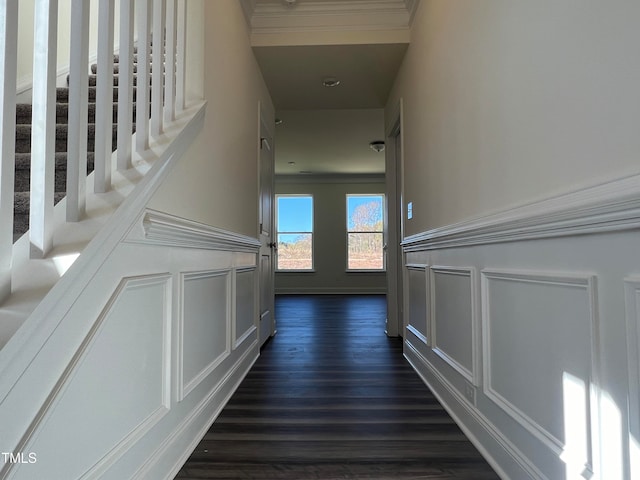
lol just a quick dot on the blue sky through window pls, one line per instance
(354, 201)
(295, 214)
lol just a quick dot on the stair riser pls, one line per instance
(23, 179)
(93, 80)
(23, 138)
(62, 94)
(62, 115)
(116, 68)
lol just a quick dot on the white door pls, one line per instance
(267, 326)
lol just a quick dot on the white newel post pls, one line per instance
(170, 63)
(78, 108)
(125, 85)
(157, 73)
(104, 97)
(181, 50)
(142, 86)
(43, 128)
(8, 67)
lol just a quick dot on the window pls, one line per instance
(294, 214)
(365, 224)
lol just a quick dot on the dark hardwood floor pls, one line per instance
(331, 397)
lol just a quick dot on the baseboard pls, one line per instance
(198, 422)
(330, 291)
(497, 450)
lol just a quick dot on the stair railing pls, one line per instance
(8, 69)
(159, 22)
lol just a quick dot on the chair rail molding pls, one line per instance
(163, 229)
(606, 207)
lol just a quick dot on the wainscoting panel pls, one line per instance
(539, 354)
(632, 295)
(244, 323)
(455, 327)
(122, 367)
(205, 325)
(418, 319)
(559, 306)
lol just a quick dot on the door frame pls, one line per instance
(265, 134)
(394, 179)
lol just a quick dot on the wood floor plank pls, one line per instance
(331, 397)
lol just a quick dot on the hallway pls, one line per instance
(332, 397)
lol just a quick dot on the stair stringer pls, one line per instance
(43, 364)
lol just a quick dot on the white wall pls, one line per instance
(508, 102)
(330, 240)
(524, 320)
(220, 169)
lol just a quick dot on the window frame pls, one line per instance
(382, 231)
(278, 232)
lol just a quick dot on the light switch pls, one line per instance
(409, 210)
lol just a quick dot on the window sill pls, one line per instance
(359, 272)
(295, 272)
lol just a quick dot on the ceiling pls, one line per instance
(359, 42)
(294, 74)
(322, 142)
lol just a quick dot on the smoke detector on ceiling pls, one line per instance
(377, 146)
(290, 3)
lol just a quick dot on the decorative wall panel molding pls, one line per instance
(204, 326)
(163, 229)
(612, 206)
(632, 297)
(245, 314)
(418, 318)
(425, 369)
(455, 325)
(541, 356)
(193, 426)
(138, 353)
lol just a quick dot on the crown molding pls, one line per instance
(248, 6)
(412, 7)
(275, 17)
(331, 178)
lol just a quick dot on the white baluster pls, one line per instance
(142, 94)
(78, 111)
(125, 86)
(181, 50)
(157, 87)
(170, 63)
(8, 66)
(104, 98)
(43, 128)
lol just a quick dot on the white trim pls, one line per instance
(331, 178)
(606, 207)
(18, 352)
(163, 229)
(53, 399)
(423, 337)
(185, 388)
(473, 375)
(329, 290)
(632, 299)
(190, 419)
(237, 340)
(572, 280)
(329, 16)
(416, 333)
(413, 355)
